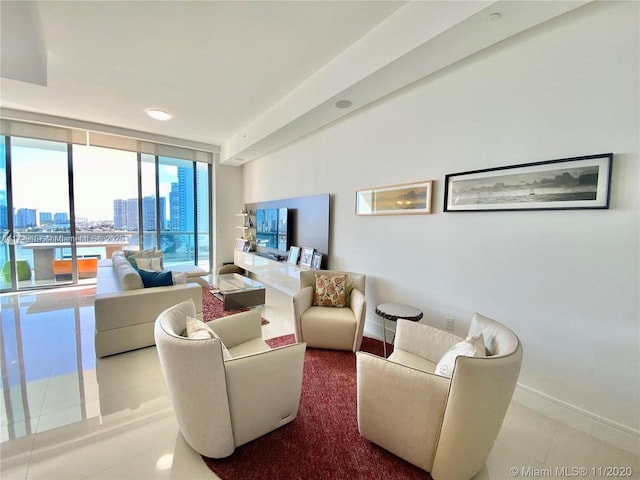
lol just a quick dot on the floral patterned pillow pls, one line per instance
(330, 290)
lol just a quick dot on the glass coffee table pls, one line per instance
(237, 291)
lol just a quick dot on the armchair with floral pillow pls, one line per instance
(329, 309)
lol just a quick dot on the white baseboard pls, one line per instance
(598, 427)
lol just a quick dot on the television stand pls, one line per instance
(271, 256)
(281, 275)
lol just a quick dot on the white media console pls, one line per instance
(281, 275)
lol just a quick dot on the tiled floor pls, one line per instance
(66, 415)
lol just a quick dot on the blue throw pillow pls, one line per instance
(156, 279)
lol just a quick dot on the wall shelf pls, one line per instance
(246, 229)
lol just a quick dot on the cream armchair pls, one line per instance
(330, 327)
(444, 426)
(222, 404)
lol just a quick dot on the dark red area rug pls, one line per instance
(212, 307)
(323, 441)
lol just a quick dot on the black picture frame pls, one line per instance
(316, 261)
(306, 257)
(563, 184)
(294, 254)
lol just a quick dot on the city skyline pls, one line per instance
(100, 176)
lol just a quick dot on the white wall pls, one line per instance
(565, 281)
(228, 202)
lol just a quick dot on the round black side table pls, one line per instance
(394, 311)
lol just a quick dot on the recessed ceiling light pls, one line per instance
(494, 17)
(343, 103)
(158, 114)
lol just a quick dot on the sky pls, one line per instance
(100, 176)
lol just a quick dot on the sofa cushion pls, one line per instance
(191, 270)
(131, 255)
(411, 360)
(150, 264)
(197, 329)
(179, 278)
(127, 275)
(469, 347)
(251, 347)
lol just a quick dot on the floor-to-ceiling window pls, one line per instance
(64, 206)
(41, 210)
(177, 183)
(106, 203)
(5, 263)
(202, 214)
(154, 206)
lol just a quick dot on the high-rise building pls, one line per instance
(4, 222)
(132, 214)
(119, 213)
(25, 218)
(202, 211)
(61, 218)
(125, 214)
(174, 208)
(149, 213)
(46, 218)
(185, 198)
(163, 213)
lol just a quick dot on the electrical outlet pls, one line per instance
(448, 323)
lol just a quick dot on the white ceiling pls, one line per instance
(247, 76)
(214, 65)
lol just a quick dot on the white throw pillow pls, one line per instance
(179, 278)
(150, 264)
(469, 347)
(131, 255)
(200, 330)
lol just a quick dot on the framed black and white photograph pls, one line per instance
(307, 257)
(567, 183)
(316, 261)
(294, 254)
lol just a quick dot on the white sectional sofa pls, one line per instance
(125, 311)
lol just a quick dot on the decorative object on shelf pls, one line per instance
(247, 226)
(563, 184)
(294, 254)
(241, 243)
(402, 199)
(307, 257)
(248, 247)
(316, 261)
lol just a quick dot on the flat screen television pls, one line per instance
(272, 226)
